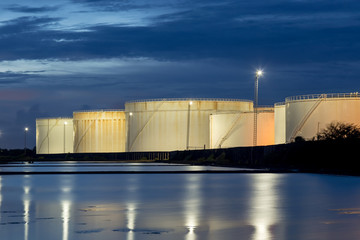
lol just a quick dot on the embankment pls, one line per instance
(340, 157)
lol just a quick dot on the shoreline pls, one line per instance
(322, 157)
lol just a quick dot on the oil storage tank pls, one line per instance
(54, 135)
(280, 123)
(306, 115)
(99, 131)
(237, 129)
(175, 124)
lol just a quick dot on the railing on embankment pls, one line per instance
(122, 156)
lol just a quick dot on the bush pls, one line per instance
(339, 131)
(299, 139)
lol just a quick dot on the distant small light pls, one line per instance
(26, 129)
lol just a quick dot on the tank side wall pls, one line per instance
(327, 111)
(236, 130)
(280, 124)
(103, 131)
(54, 136)
(163, 125)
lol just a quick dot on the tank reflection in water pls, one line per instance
(179, 206)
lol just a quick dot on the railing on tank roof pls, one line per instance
(101, 110)
(279, 104)
(324, 95)
(265, 106)
(190, 99)
(67, 118)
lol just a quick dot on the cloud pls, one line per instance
(22, 25)
(273, 31)
(27, 9)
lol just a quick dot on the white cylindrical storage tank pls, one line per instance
(99, 131)
(280, 123)
(237, 129)
(175, 124)
(54, 135)
(306, 115)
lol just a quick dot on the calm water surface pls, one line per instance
(178, 206)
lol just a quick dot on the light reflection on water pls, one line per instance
(65, 215)
(265, 204)
(131, 192)
(192, 204)
(179, 206)
(131, 216)
(0, 196)
(26, 200)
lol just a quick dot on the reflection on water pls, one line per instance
(65, 215)
(132, 193)
(192, 204)
(0, 197)
(26, 200)
(131, 216)
(265, 204)
(179, 206)
(67, 187)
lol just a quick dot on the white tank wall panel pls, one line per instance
(99, 131)
(163, 125)
(306, 117)
(237, 129)
(53, 136)
(280, 123)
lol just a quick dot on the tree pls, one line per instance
(339, 131)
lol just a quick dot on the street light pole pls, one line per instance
(25, 131)
(259, 73)
(129, 131)
(188, 126)
(65, 123)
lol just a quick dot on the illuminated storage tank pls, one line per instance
(54, 135)
(99, 131)
(308, 114)
(175, 124)
(237, 129)
(280, 123)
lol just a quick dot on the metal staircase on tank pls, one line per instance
(307, 116)
(228, 133)
(143, 127)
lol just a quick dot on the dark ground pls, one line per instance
(336, 157)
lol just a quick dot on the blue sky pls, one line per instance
(60, 56)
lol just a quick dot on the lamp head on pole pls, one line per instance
(65, 123)
(26, 129)
(259, 73)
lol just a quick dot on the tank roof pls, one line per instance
(324, 95)
(100, 110)
(55, 118)
(189, 99)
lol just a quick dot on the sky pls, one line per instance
(61, 56)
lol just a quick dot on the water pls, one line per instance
(104, 167)
(177, 206)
